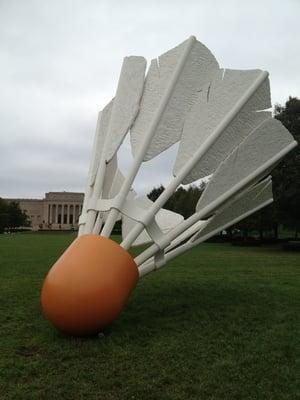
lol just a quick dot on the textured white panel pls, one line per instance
(266, 141)
(126, 102)
(112, 175)
(116, 184)
(112, 183)
(245, 202)
(165, 219)
(197, 227)
(211, 108)
(198, 70)
(101, 132)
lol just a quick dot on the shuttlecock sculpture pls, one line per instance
(219, 118)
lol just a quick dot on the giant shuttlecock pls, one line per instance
(220, 119)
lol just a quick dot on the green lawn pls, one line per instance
(220, 322)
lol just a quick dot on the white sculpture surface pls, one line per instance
(221, 120)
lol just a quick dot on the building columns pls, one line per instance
(73, 213)
(56, 213)
(62, 214)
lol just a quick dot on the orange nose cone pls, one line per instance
(88, 286)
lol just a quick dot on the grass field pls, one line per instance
(220, 322)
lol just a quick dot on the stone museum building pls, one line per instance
(58, 210)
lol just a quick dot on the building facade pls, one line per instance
(57, 210)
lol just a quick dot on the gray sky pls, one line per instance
(60, 61)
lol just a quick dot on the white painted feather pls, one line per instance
(111, 177)
(116, 184)
(113, 181)
(100, 134)
(249, 199)
(126, 102)
(97, 152)
(268, 140)
(221, 96)
(118, 115)
(197, 227)
(165, 219)
(115, 122)
(199, 68)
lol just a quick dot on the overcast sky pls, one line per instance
(60, 61)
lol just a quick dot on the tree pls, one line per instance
(286, 176)
(262, 221)
(183, 201)
(285, 209)
(155, 192)
(11, 216)
(17, 217)
(4, 215)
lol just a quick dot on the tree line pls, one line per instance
(284, 211)
(11, 216)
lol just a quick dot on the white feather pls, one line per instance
(250, 199)
(126, 102)
(100, 135)
(165, 219)
(208, 112)
(199, 67)
(264, 143)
